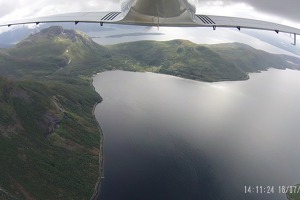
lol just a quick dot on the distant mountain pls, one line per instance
(232, 61)
(132, 35)
(13, 36)
(3, 45)
(49, 138)
(250, 59)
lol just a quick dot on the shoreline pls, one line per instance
(97, 187)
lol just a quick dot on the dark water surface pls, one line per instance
(168, 138)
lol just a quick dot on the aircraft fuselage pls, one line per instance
(162, 8)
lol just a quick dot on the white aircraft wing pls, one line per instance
(186, 19)
(93, 17)
(220, 21)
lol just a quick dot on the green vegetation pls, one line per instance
(49, 138)
(294, 193)
(200, 62)
(252, 60)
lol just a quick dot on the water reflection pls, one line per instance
(171, 138)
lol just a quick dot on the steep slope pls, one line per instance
(50, 50)
(49, 138)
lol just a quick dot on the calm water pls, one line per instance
(168, 138)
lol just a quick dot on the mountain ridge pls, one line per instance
(55, 48)
(228, 61)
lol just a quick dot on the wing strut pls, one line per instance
(295, 39)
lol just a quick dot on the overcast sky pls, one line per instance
(280, 11)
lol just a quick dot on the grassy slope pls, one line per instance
(254, 61)
(51, 73)
(62, 164)
(34, 162)
(200, 62)
(179, 58)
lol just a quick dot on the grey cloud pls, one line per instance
(6, 7)
(288, 9)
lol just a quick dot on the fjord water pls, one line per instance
(167, 138)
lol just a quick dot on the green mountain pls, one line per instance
(218, 62)
(54, 49)
(49, 138)
(250, 59)
(50, 50)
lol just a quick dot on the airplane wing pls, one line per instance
(239, 23)
(186, 19)
(195, 21)
(92, 17)
(220, 21)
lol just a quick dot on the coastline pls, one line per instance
(97, 188)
